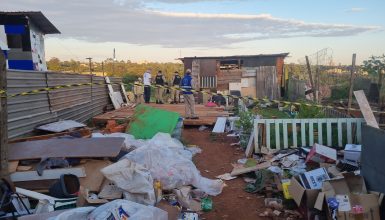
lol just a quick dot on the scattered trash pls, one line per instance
(202, 128)
(207, 204)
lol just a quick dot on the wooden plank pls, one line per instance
(12, 166)
(249, 148)
(94, 178)
(268, 135)
(3, 119)
(256, 137)
(303, 133)
(277, 136)
(220, 125)
(47, 174)
(329, 132)
(78, 148)
(365, 109)
(320, 135)
(311, 133)
(294, 129)
(84, 132)
(339, 131)
(349, 131)
(114, 101)
(238, 171)
(285, 139)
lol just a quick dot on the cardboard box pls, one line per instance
(349, 191)
(352, 153)
(314, 179)
(300, 194)
(322, 154)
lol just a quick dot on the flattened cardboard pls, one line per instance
(300, 194)
(313, 179)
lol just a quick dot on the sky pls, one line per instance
(163, 30)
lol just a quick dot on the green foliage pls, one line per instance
(245, 122)
(374, 65)
(271, 113)
(310, 112)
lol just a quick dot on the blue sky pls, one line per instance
(161, 30)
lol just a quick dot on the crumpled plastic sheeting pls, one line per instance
(133, 178)
(134, 210)
(171, 164)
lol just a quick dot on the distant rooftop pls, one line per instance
(36, 17)
(238, 56)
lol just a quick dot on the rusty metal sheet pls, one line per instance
(78, 148)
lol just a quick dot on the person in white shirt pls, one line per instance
(147, 85)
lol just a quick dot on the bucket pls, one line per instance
(66, 187)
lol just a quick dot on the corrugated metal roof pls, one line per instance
(37, 18)
(238, 56)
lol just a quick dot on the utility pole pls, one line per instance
(311, 78)
(352, 70)
(113, 62)
(103, 67)
(90, 63)
(3, 118)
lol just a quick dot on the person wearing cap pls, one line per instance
(138, 91)
(147, 85)
(176, 84)
(187, 84)
(159, 81)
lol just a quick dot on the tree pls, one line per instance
(54, 64)
(375, 66)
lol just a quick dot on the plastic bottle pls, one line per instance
(158, 190)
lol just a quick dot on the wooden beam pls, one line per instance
(238, 171)
(353, 69)
(365, 108)
(3, 118)
(47, 174)
(310, 77)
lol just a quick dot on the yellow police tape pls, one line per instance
(37, 91)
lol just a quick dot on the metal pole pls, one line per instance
(90, 63)
(3, 119)
(353, 69)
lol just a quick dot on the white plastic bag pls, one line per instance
(72, 214)
(172, 166)
(133, 178)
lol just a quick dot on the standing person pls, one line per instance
(159, 81)
(189, 101)
(147, 85)
(138, 91)
(175, 92)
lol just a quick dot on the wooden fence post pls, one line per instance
(3, 119)
(311, 78)
(351, 82)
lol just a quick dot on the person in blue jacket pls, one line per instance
(187, 84)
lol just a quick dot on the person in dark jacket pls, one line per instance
(176, 84)
(159, 81)
(188, 84)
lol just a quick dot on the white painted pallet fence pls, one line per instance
(307, 136)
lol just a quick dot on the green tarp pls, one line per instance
(147, 121)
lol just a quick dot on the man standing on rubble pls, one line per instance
(159, 82)
(147, 85)
(176, 84)
(187, 85)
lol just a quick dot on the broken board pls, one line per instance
(365, 108)
(61, 126)
(238, 171)
(94, 178)
(249, 148)
(220, 125)
(47, 174)
(77, 148)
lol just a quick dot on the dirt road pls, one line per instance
(216, 158)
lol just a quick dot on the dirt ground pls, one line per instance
(215, 159)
